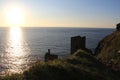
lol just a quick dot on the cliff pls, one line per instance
(108, 50)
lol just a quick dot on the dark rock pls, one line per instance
(118, 26)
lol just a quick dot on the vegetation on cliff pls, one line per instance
(108, 50)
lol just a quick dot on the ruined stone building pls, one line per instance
(49, 56)
(77, 42)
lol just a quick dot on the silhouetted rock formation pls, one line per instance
(118, 26)
(49, 56)
(77, 42)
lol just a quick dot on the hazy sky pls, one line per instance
(66, 13)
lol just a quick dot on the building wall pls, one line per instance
(77, 42)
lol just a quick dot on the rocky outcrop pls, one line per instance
(118, 26)
(108, 50)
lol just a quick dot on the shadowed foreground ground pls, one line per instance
(79, 66)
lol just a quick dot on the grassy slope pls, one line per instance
(80, 66)
(108, 50)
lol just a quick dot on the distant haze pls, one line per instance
(60, 13)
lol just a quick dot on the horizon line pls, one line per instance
(58, 27)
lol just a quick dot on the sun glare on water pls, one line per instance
(17, 52)
(15, 49)
(14, 15)
(16, 41)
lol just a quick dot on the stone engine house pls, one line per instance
(77, 42)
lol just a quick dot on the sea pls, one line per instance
(21, 47)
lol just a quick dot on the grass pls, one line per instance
(12, 77)
(80, 66)
(108, 50)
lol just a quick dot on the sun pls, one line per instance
(15, 16)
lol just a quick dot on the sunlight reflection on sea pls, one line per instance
(16, 58)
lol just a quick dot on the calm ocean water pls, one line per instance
(19, 47)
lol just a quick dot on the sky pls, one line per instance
(64, 13)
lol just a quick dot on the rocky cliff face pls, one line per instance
(108, 50)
